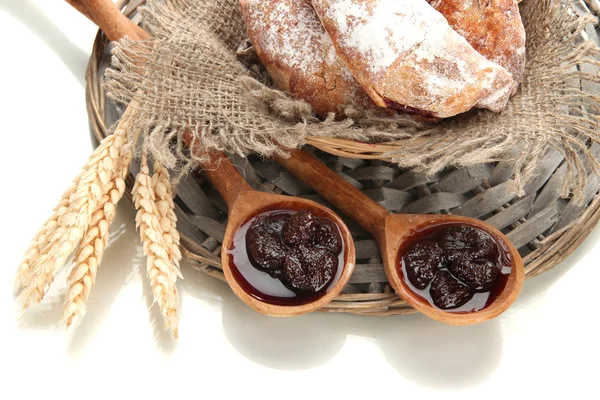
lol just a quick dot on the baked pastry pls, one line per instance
(493, 27)
(406, 56)
(299, 55)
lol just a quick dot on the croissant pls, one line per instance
(406, 56)
(299, 55)
(493, 27)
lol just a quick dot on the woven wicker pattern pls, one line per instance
(545, 227)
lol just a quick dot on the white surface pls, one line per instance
(546, 344)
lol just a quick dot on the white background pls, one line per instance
(546, 344)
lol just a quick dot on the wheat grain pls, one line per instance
(158, 265)
(89, 256)
(47, 258)
(166, 209)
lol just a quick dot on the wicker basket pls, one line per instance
(544, 227)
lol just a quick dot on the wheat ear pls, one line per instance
(42, 238)
(89, 256)
(159, 268)
(73, 222)
(166, 210)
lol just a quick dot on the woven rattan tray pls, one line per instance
(544, 227)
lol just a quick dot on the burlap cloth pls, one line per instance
(192, 75)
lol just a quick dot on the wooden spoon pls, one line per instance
(242, 201)
(391, 231)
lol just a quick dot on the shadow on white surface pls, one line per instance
(202, 286)
(422, 350)
(45, 316)
(282, 343)
(48, 32)
(440, 356)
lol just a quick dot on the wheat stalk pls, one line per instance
(46, 258)
(89, 256)
(159, 267)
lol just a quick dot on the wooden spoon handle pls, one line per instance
(109, 18)
(225, 177)
(336, 190)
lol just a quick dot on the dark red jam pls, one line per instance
(455, 267)
(408, 110)
(287, 257)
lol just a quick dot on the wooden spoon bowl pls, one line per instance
(398, 228)
(250, 203)
(242, 201)
(392, 231)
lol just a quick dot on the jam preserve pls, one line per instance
(455, 267)
(286, 257)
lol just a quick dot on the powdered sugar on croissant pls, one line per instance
(493, 27)
(299, 55)
(404, 53)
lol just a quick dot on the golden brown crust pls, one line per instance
(299, 55)
(405, 52)
(493, 27)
